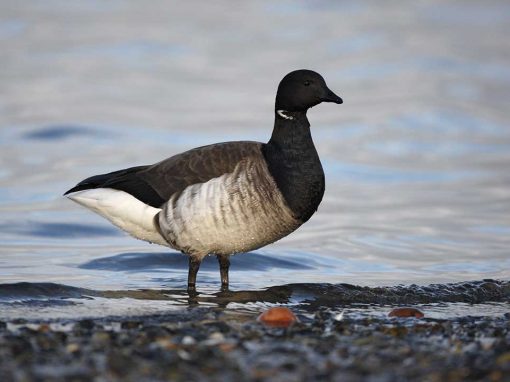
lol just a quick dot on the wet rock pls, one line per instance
(278, 317)
(504, 359)
(396, 331)
(20, 345)
(100, 339)
(44, 328)
(119, 364)
(46, 342)
(72, 348)
(131, 325)
(188, 340)
(85, 324)
(215, 338)
(164, 343)
(406, 312)
(227, 347)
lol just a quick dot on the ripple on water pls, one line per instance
(62, 300)
(58, 230)
(54, 133)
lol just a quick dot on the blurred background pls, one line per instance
(417, 158)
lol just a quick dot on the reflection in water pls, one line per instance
(137, 262)
(273, 295)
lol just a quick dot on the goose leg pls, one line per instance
(224, 261)
(194, 266)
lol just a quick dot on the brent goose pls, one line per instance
(223, 198)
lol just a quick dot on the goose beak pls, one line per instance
(331, 97)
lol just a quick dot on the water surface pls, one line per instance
(416, 160)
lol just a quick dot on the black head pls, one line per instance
(301, 89)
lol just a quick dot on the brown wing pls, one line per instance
(197, 166)
(154, 185)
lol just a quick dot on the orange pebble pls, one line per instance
(406, 312)
(44, 328)
(278, 317)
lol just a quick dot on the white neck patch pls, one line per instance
(282, 114)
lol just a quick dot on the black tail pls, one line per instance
(123, 180)
(101, 180)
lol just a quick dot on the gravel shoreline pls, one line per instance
(214, 344)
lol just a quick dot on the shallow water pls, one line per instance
(416, 160)
(47, 301)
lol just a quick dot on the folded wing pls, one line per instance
(155, 184)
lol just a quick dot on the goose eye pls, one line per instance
(306, 83)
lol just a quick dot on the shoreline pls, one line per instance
(214, 344)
